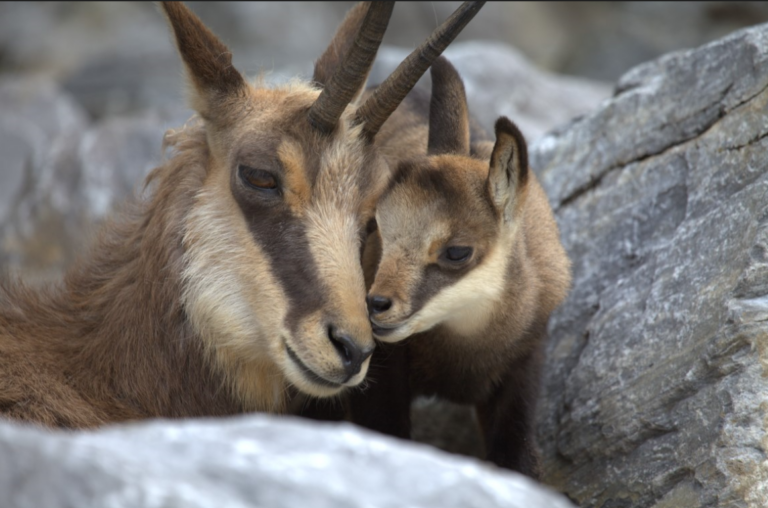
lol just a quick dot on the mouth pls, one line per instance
(309, 373)
(383, 330)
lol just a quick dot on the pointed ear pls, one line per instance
(508, 173)
(448, 112)
(207, 60)
(342, 42)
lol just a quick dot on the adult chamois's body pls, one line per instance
(238, 281)
(468, 266)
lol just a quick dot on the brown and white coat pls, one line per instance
(238, 281)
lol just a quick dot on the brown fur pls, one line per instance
(474, 332)
(210, 297)
(112, 342)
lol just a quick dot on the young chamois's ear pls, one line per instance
(212, 78)
(448, 112)
(508, 173)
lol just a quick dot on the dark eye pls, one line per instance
(258, 178)
(457, 254)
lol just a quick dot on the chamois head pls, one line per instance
(273, 280)
(447, 222)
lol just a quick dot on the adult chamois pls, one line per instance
(468, 266)
(238, 280)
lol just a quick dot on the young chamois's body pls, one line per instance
(238, 282)
(468, 267)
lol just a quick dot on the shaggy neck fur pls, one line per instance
(113, 341)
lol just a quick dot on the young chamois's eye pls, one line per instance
(258, 179)
(456, 255)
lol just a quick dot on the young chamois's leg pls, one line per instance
(508, 417)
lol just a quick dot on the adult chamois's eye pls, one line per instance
(258, 179)
(457, 255)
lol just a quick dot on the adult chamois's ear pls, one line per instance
(508, 174)
(448, 112)
(212, 78)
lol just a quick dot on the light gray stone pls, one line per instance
(656, 390)
(40, 129)
(249, 461)
(500, 81)
(600, 40)
(60, 175)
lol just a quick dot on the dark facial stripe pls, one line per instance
(433, 280)
(282, 237)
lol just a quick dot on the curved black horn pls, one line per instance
(346, 81)
(377, 108)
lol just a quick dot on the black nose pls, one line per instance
(378, 304)
(352, 355)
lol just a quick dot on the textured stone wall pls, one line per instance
(656, 391)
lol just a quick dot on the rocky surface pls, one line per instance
(656, 390)
(249, 461)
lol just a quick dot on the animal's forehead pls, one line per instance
(439, 184)
(433, 195)
(274, 129)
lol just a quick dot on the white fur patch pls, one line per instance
(466, 306)
(230, 294)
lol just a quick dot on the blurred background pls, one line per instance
(117, 56)
(87, 89)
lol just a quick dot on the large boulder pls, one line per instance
(656, 387)
(249, 461)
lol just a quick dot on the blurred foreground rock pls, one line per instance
(656, 390)
(249, 461)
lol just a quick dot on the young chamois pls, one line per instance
(237, 283)
(468, 267)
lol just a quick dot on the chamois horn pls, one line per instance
(377, 108)
(346, 81)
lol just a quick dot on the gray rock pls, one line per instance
(500, 81)
(656, 390)
(40, 129)
(127, 84)
(600, 40)
(61, 176)
(247, 461)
